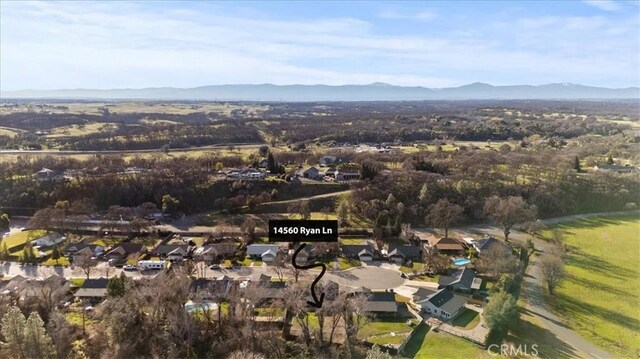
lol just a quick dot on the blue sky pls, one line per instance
(51, 45)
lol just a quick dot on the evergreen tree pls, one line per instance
(116, 286)
(4, 221)
(13, 328)
(28, 253)
(55, 254)
(576, 165)
(424, 194)
(38, 343)
(4, 252)
(610, 160)
(342, 212)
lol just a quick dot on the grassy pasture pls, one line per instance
(601, 296)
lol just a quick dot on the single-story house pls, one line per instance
(233, 173)
(484, 244)
(616, 168)
(381, 304)
(331, 290)
(73, 249)
(269, 290)
(177, 254)
(364, 252)
(93, 290)
(400, 254)
(46, 174)
(215, 252)
(252, 174)
(210, 289)
(307, 254)
(85, 250)
(28, 288)
(447, 245)
(163, 250)
(443, 304)
(347, 175)
(328, 160)
(124, 250)
(49, 240)
(331, 172)
(311, 173)
(461, 280)
(264, 252)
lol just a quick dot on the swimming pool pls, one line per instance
(190, 306)
(461, 261)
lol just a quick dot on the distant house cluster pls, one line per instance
(248, 173)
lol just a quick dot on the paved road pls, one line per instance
(372, 277)
(90, 152)
(534, 289)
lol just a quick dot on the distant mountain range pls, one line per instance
(371, 92)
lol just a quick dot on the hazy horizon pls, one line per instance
(135, 45)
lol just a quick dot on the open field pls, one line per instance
(11, 132)
(243, 151)
(426, 343)
(20, 238)
(81, 130)
(139, 107)
(601, 296)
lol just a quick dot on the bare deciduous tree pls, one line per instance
(509, 211)
(552, 267)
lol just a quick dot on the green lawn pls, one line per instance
(315, 216)
(75, 318)
(269, 312)
(346, 263)
(388, 339)
(247, 261)
(63, 261)
(108, 241)
(20, 238)
(415, 266)
(426, 278)
(313, 321)
(385, 326)
(428, 344)
(468, 319)
(352, 241)
(77, 282)
(601, 296)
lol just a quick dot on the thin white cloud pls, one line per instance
(605, 5)
(423, 15)
(104, 45)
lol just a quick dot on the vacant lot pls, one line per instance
(601, 296)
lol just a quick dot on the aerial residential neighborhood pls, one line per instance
(319, 179)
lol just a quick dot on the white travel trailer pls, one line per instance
(145, 265)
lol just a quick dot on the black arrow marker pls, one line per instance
(316, 302)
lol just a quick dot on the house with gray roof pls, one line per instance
(400, 254)
(484, 244)
(264, 252)
(444, 304)
(93, 290)
(364, 252)
(381, 304)
(461, 280)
